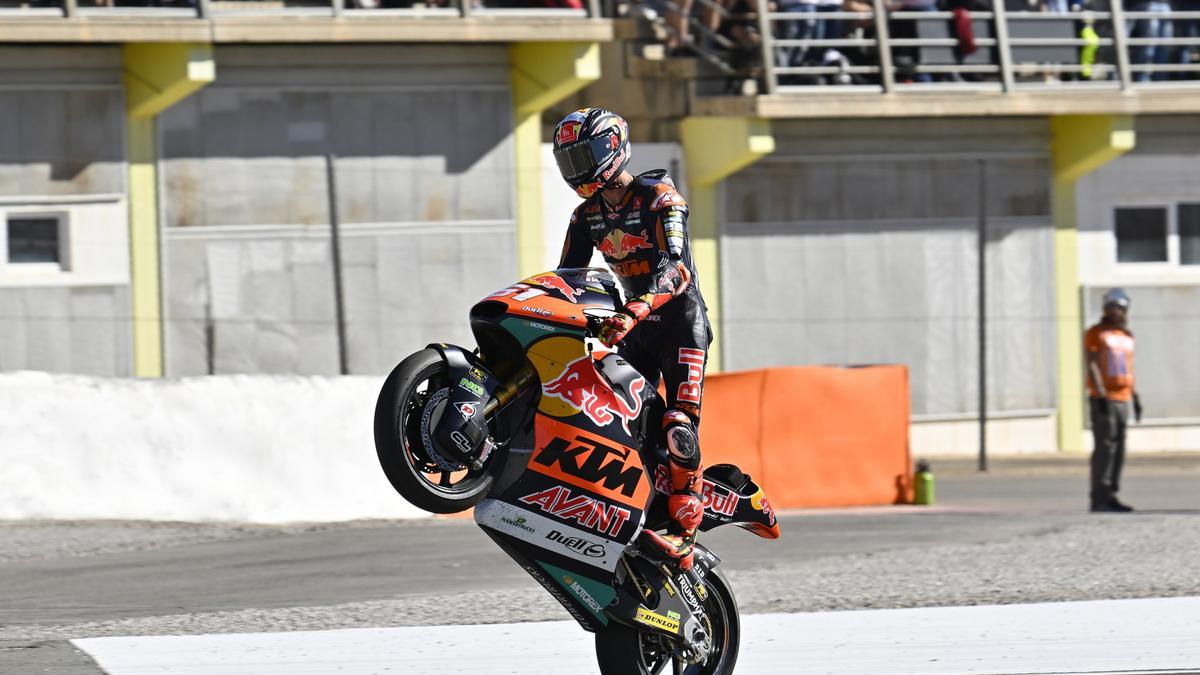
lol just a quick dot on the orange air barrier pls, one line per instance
(813, 436)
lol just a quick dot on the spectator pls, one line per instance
(908, 58)
(710, 18)
(830, 29)
(741, 30)
(1156, 27)
(804, 27)
(1108, 346)
(1187, 28)
(678, 13)
(860, 28)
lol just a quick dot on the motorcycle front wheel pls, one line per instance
(411, 402)
(621, 650)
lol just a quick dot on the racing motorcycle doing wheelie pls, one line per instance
(558, 446)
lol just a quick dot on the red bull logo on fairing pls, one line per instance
(585, 390)
(619, 244)
(555, 282)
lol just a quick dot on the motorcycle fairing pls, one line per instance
(594, 595)
(623, 379)
(527, 557)
(729, 496)
(668, 597)
(569, 518)
(557, 297)
(578, 393)
(590, 461)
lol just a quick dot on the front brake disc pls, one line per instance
(430, 416)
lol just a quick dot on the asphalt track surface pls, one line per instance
(1016, 534)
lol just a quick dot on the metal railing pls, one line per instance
(1004, 50)
(877, 49)
(203, 9)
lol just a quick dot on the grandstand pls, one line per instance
(170, 172)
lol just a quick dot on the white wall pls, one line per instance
(1132, 180)
(238, 448)
(280, 449)
(1036, 433)
(97, 240)
(960, 436)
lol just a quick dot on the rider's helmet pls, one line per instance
(1116, 297)
(591, 147)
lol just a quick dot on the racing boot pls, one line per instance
(684, 504)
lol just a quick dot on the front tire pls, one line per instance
(621, 650)
(410, 403)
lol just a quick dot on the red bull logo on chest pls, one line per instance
(586, 390)
(619, 244)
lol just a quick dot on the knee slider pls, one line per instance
(682, 443)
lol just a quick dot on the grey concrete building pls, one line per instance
(424, 183)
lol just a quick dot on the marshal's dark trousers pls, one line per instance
(1108, 456)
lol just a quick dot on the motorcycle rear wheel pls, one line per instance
(621, 650)
(408, 401)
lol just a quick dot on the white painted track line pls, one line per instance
(1106, 636)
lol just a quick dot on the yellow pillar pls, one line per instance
(716, 147)
(156, 76)
(542, 74)
(1080, 144)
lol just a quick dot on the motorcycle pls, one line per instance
(558, 446)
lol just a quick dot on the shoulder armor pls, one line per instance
(665, 196)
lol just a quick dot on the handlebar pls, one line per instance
(594, 318)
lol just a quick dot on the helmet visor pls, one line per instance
(578, 162)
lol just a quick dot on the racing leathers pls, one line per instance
(664, 323)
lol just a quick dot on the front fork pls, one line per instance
(477, 396)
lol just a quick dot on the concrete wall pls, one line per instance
(62, 111)
(62, 155)
(856, 243)
(1165, 321)
(1160, 171)
(425, 196)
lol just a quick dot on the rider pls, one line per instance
(639, 224)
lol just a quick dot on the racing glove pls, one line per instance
(615, 328)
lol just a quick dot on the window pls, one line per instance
(1141, 234)
(1188, 218)
(36, 242)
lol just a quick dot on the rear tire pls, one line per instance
(430, 480)
(621, 650)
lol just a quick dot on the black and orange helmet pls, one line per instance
(591, 147)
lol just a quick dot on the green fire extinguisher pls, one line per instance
(923, 484)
